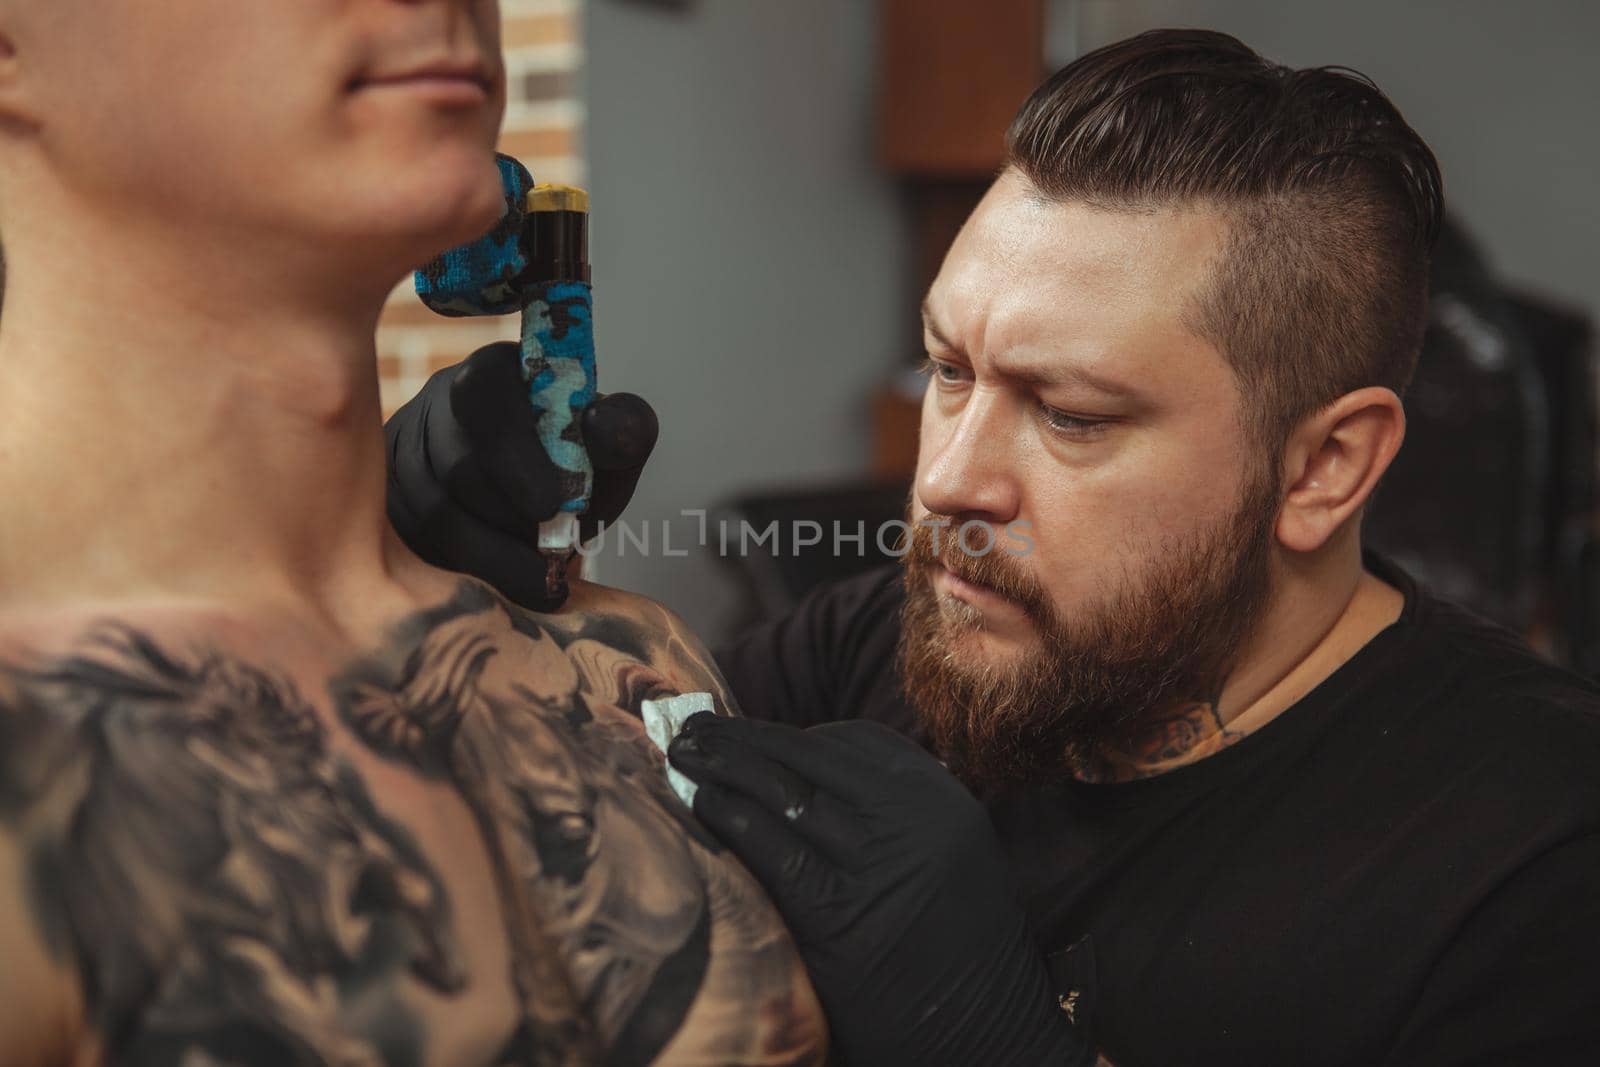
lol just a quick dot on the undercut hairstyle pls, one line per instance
(1331, 202)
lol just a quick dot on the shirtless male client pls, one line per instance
(274, 791)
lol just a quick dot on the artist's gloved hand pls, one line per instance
(469, 482)
(890, 878)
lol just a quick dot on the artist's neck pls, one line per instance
(185, 417)
(1323, 610)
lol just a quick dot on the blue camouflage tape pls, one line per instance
(478, 278)
(558, 365)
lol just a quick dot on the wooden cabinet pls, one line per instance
(953, 73)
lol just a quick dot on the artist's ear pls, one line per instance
(1333, 461)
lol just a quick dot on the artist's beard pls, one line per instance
(1162, 637)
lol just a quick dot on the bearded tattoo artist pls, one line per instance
(1226, 790)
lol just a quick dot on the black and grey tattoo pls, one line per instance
(221, 881)
(229, 889)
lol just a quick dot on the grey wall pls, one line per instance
(1505, 93)
(750, 261)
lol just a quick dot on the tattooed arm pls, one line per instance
(635, 936)
(534, 720)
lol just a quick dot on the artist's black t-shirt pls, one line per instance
(1402, 868)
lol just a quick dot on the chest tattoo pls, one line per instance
(203, 849)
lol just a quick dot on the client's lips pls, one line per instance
(463, 74)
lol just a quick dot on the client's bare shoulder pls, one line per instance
(633, 624)
(452, 844)
(533, 720)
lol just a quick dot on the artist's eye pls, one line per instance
(946, 373)
(1073, 426)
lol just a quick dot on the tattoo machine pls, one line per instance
(536, 261)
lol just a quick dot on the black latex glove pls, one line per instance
(890, 878)
(469, 482)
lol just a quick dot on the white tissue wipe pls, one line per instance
(663, 720)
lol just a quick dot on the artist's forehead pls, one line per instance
(1029, 270)
(1019, 235)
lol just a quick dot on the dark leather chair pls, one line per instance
(1492, 500)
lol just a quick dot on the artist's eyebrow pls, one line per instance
(1067, 376)
(1037, 376)
(932, 327)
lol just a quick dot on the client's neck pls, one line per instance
(1324, 608)
(183, 415)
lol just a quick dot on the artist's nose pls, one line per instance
(967, 461)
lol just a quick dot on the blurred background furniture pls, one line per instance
(1491, 501)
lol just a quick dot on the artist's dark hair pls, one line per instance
(1332, 203)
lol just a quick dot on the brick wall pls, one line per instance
(544, 120)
